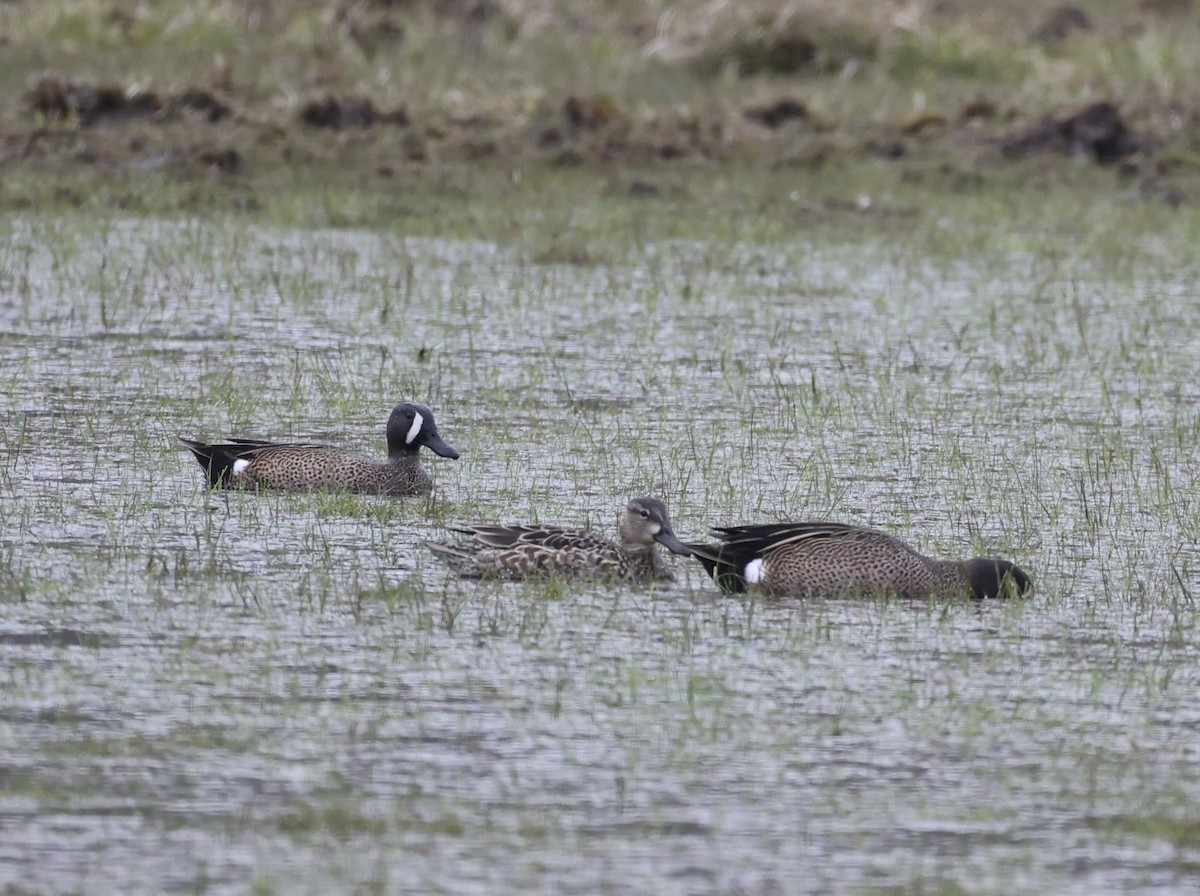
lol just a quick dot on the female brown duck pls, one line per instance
(517, 552)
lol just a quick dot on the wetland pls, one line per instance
(232, 692)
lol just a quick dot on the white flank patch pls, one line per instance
(415, 429)
(240, 464)
(754, 571)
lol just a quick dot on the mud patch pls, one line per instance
(981, 108)
(778, 113)
(578, 117)
(589, 113)
(1097, 132)
(202, 103)
(58, 98)
(789, 53)
(226, 160)
(788, 47)
(1061, 23)
(349, 112)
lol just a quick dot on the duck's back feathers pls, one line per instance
(830, 559)
(729, 560)
(522, 551)
(302, 466)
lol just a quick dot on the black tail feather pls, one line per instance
(216, 460)
(723, 565)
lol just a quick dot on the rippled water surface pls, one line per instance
(285, 694)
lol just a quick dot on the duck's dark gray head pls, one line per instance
(991, 577)
(410, 426)
(646, 521)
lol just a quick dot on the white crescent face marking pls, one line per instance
(415, 429)
(754, 571)
(240, 464)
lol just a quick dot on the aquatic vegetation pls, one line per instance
(292, 674)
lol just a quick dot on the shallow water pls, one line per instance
(206, 693)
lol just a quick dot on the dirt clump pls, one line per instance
(777, 113)
(204, 104)
(589, 113)
(1097, 132)
(60, 98)
(349, 112)
(1061, 23)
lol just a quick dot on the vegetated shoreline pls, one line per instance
(113, 127)
(805, 91)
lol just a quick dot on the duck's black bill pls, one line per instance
(439, 446)
(671, 543)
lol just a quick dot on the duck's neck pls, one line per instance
(402, 452)
(647, 565)
(953, 578)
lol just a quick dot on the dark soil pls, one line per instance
(1097, 133)
(64, 122)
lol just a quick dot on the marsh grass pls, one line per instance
(294, 674)
(471, 165)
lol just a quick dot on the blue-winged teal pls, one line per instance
(829, 559)
(255, 464)
(521, 551)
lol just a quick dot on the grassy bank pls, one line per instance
(182, 105)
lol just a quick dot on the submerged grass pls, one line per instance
(1008, 371)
